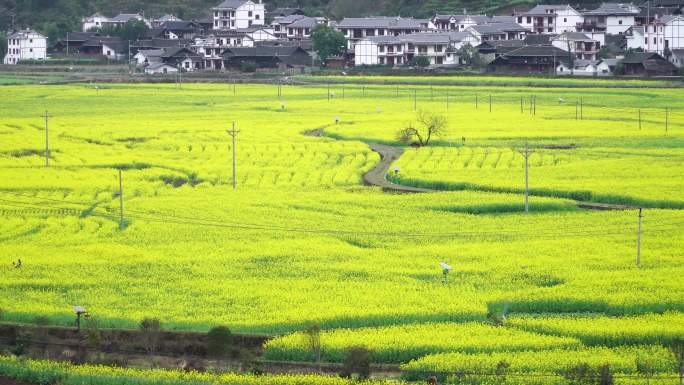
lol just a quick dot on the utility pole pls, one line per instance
(397, 95)
(521, 104)
(577, 110)
(526, 153)
(121, 205)
(490, 103)
(47, 140)
(415, 101)
(581, 108)
(476, 102)
(667, 118)
(639, 118)
(233, 133)
(328, 91)
(447, 99)
(638, 259)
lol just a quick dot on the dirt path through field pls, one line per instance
(377, 175)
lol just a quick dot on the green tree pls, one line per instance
(3, 44)
(470, 56)
(327, 42)
(219, 341)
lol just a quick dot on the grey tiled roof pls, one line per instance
(287, 19)
(542, 10)
(306, 22)
(537, 51)
(610, 9)
(576, 36)
(124, 17)
(488, 29)
(381, 22)
(230, 4)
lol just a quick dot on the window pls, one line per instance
(215, 23)
(550, 20)
(529, 20)
(216, 13)
(381, 48)
(257, 17)
(519, 19)
(249, 14)
(565, 20)
(225, 13)
(620, 21)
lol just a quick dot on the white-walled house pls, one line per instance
(578, 43)
(665, 35)
(550, 19)
(25, 45)
(578, 68)
(439, 48)
(160, 69)
(212, 46)
(357, 28)
(301, 29)
(636, 38)
(611, 18)
(94, 21)
(235, 14)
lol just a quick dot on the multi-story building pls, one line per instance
(665, 35)
(550, 19)
(301, 28)
(580, 45)
(96, 20)
(235, 14)
(459, 22)
(439, 48)
(355, 29)
(610, 18)
(25, 45)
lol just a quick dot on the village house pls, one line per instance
(578, 67)
(25, 45)
(160, 69)
(550, 19)
(185, 59)
(301, 28)
(579, 44)
(533, 59)
(438, 48)
(355, 29)
(113, 48)
(459, 22)
(677, 58)
(93, 21)
(156, 23)
(235, 14)
(611, 18)
(647, 64)
(280, 23)
(73, 42)
(146, 57)
(665, 34)
(174, 30)
(498, 31)
(267, 56)
(490, 50)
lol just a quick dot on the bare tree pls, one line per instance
(312, 335)
(150, 330)
(429, 124)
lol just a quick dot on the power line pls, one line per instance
(555, 234)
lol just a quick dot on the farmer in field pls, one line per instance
(18, 264)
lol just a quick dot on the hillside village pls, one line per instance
(625, 39)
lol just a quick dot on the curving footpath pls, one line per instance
(377, 175)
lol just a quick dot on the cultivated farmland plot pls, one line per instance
(302, 241)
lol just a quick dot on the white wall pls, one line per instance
(567, 20)
(31, 47)
(616, 25)
(365, 53)
(94, 22)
